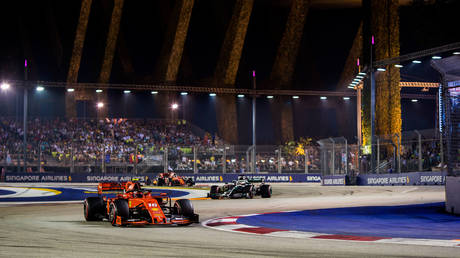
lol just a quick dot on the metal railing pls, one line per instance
(141, 159)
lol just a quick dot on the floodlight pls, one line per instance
(5, 86)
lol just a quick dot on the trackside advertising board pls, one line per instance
(198, 178)
(414, 178)
(334, 180)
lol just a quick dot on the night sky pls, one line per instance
(43, 31)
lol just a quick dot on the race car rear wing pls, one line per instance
(110, 186)
(256, 179)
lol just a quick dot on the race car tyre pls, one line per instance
(214, 192)
(250, 192)
(160, 182)
(190, 182)
(93, 208)
(118, 208)
(265, 191)
(184, 207)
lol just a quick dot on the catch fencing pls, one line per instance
(141, 159)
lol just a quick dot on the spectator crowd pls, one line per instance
(118, 142)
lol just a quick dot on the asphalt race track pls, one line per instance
(59, 229)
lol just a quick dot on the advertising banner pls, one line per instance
(198, 178)
(334, 180)
(414, 178)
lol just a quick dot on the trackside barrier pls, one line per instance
(414, 178)
(334, 180)
(206, 178)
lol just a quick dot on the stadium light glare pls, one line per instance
(381, 69)
(184, 93)
(98, 91)
(40, 88)
(359, 76)
(346, 98)
(126, 91)
(154, 92)
(363, 74)
(240, 96)
(70, 90)
(436, 57)
(174, 106)
(5, 86)
(295, 97)
(351, 87)
(456, 53)
(269, 97)
(414, 100)
(416, 61)
(398, 65)
(100, 105)
(212, 94)
(323, 98)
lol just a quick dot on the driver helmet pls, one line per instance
(131, 186)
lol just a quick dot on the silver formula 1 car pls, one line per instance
(241, 188)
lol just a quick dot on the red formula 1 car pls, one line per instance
(133, 206)
(172, 179)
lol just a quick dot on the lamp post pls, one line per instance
(25, 115)
(174, 107)
(100, 106)
(254, 123)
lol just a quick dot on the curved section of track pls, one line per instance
(60, 229)
(422, 224)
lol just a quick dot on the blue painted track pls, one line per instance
(71, 194)
(5, 192)
(426, 221)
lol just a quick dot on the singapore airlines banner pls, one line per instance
(198, 178)
(414, 178)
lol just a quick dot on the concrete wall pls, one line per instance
(453, 194)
